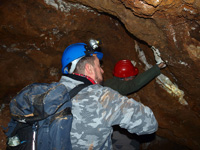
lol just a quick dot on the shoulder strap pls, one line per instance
(75, 90)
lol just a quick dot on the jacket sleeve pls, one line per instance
(145, 77)
(127, 87)
(127, 113)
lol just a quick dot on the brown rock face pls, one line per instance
(34, 34)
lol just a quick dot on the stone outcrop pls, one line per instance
(34, 34)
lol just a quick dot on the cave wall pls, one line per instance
(170, 26)
(35, 33)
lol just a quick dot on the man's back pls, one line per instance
(96, 109)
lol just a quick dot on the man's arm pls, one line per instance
(127, 113)
(127, 87)
(145, 77)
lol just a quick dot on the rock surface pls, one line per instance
(34, 34)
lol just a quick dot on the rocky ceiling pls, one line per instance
(34, 34)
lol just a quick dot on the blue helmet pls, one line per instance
(74, 53)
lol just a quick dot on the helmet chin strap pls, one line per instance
(73, 66)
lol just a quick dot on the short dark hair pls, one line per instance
(80, 66)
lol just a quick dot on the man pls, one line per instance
(96, 108)
(126, 81)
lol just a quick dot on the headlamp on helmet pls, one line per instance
(94, 43)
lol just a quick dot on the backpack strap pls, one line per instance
(75, 90)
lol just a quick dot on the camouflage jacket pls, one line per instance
(96, 109)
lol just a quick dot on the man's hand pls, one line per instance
(162, 65)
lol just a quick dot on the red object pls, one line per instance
(124, 68)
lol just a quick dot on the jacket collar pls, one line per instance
(84, 79)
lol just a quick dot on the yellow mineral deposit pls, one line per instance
(171, 88)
